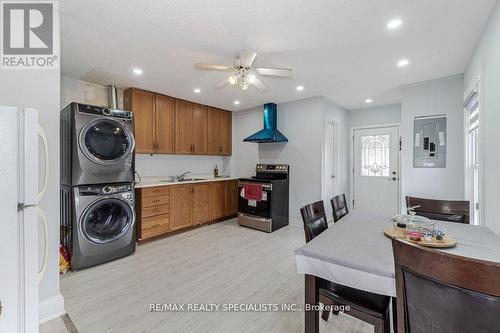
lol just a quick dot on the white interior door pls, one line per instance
(330, 169)
(376, 169)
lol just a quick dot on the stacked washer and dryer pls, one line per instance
(97, 184)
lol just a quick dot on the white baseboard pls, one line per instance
(51, 308)
(295, 222)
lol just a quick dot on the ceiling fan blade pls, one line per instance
(246, 58)
(283, 72)
(222, 83)
(259, 84)
(213, 67)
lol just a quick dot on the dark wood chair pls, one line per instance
(442, 292)
(366, 306)
(339, 207)
(444, 210)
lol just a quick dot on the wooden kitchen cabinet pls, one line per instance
(164, 129)
(142, 104)
(213, 132)
(219, 138)
(183, 127)
(167, 209)
(226, 124)
(217, 199)
(231, 197)
(200, 201)
(165, 125)
(153, 209)
(153, 121)
(200, 127)
(180, 206)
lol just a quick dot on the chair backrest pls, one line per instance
(314, 218)
(442, 292)
(339, 207)
(444, 210)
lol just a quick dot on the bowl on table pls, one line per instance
(414, 223)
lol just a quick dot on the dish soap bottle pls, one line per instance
(216, 172)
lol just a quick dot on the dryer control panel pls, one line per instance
(97, 190)
(102, 111)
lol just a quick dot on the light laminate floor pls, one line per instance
(219, 263)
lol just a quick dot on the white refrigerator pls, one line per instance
(21, 218)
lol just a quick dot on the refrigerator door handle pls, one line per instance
(43, 136)
(41, 215)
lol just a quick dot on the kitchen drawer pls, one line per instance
(155, 201)
(155, 210)
(154, 226)
(155, 191)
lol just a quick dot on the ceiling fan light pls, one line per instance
(251, 78)
(232, 79)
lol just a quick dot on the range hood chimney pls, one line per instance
(112, 97)
(270, 133)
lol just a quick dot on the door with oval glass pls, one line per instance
(376, 168)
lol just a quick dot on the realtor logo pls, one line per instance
(29, 38)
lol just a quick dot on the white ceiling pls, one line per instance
(337, 48)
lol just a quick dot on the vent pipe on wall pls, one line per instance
(112, 97)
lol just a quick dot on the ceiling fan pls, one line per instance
(243, 74)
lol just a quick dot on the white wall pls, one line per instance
(302, 122)
(39, 89)
(441, 96)
(73, 90)
(372, 116)
(487, 55)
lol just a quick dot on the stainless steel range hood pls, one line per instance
(270, 133)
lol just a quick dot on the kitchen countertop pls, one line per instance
(163, 180)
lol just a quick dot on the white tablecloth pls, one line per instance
(356, 253)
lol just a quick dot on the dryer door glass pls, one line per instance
(107, 141)
(107, 220)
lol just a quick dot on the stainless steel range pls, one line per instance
(263, 199)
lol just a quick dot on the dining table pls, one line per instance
(355, 252)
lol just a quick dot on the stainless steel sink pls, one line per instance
(181, 180)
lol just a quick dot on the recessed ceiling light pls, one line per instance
(137, 71)
(197, 90)
(300, 88)
(403, 62)
(393, 24)
(236, 102)
(368, 100)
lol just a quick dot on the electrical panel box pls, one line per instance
(429, 142)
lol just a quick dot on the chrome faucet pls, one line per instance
(179, 177)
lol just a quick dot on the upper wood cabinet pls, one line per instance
(183, 127)
(164, 112)
(142, 103)
(213, 138)
(200, 128)
(165, 125)
(219, 132)
(226, 124)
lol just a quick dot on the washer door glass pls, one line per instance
(107, 141)
(107, 220)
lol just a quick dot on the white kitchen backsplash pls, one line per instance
(169, 165)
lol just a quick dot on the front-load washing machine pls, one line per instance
(97, 223)
(97, 145)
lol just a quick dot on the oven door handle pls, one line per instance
(267, 187)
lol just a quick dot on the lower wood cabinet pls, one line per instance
(200, 201)
(231, 197)
(180, 207)
(217, 194)
(169, 208)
